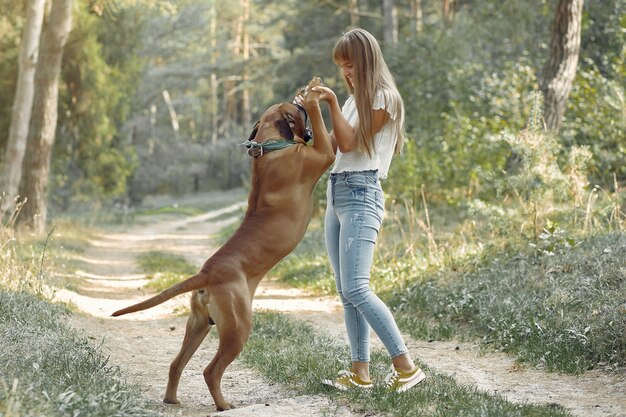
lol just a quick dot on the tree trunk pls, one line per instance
(246, 108)
(449, 10)
(230, 114)
(560, 70)
(354, 13)
(417, 16)
(390, 23)
(214, 100)
(22, 102)
(173, 115)
(43, 123)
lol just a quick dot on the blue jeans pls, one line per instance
(354, 213)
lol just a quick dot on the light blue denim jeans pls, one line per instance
(354, 213)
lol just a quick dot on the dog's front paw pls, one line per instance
(315, 82)
(312, 97)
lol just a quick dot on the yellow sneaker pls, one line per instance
(347, 380)
(398, 381)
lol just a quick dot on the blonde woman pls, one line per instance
(367, 131)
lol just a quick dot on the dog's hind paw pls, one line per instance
(225, 406)
(170, 401)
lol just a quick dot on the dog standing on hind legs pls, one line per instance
(284, 173)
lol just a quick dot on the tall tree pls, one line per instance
(560, 70)
(230, 113)
(353, 7)
(390, 23)
(23, 100)
(246, 110)
(36, 172)
(213, 103)
(449, 11)
(417, 16)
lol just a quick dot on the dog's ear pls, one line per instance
(255, 129)
(284, 127)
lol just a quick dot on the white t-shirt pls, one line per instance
(384, 140)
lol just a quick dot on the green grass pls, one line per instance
(562, 311)
(58, 251)
(557, 303)
(176, 210)
(48, 368)
(307, 266)
(292, 353)
(165, 269)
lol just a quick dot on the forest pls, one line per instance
(155, 96)
(505, 213)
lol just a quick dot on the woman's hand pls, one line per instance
(308, 95)
(343, 135)
(325, 94)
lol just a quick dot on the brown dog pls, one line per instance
(278, 214)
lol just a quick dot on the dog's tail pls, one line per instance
(190, 284)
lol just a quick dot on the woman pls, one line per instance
(367, 131)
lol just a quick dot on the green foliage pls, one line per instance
(562, 310)
(466, 157)
(596, 118)
(92, 161)
(464, 84)
(603, 36)
(11, 22)
(476, 81)
(537, 178)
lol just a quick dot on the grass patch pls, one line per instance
(58, 251)
(189, 205)
(48, 368)
(174, 209)
(165, 269)
(562, 310)
(290, 352)
(557, 304)
(308, 266)
(310, 272)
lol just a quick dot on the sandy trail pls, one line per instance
(144, 343)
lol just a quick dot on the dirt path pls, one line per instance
(143, 344)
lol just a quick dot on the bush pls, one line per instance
(562, 309)
(595, 119)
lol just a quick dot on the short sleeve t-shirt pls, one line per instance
(384, 140)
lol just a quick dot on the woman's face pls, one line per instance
(347, 71)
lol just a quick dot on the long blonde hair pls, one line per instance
(370, 74)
